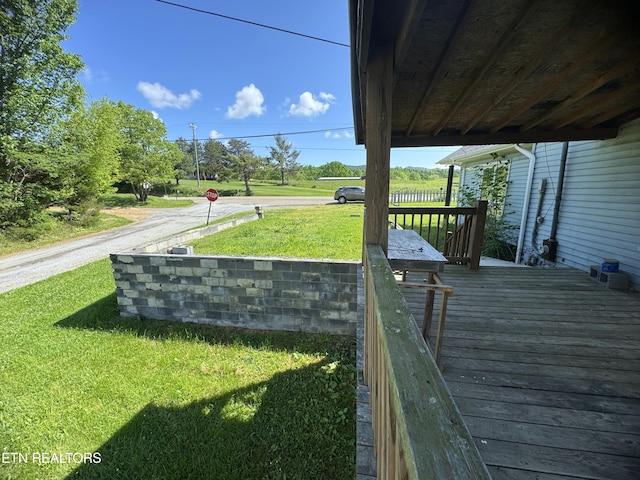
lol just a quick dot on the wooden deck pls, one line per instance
(544, 365)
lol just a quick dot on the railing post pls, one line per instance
(477, 234)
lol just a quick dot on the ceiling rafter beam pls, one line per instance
(532, 136)
(587, 89)
(609, 114)
(545, 51)
(501, 46)
(628, 91)
(597, 48)
(407, 29)
(439, 71)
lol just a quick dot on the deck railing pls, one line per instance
(455, 231)
(408, 196)
(418, 430)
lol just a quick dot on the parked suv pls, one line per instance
(345, 194)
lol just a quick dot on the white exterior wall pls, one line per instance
(518, 169)
(546, 168)
(600, 208)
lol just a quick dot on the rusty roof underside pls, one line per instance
(471, 72)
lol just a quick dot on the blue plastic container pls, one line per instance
(610, 265)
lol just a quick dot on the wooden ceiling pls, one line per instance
(471, 72)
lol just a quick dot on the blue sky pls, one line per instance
(231, 79)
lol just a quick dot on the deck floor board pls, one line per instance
(544, 365)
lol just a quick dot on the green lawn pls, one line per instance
(161, 400)
(324, 231)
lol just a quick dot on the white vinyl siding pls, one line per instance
(516, 186)
(600, 208)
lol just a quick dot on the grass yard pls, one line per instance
(163, 400)
(324, 231)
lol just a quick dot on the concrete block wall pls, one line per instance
(247, 292)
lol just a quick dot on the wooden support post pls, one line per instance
(477, 234)
(378, 143)
(428, 308)
(441, 319)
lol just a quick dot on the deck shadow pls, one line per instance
(250, 432)
(103, 315)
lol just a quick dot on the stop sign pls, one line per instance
(211, 194)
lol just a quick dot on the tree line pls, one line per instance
(57, 149)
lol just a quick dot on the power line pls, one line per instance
(274, 134)
(253, 23)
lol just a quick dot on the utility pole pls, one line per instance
(195, 152)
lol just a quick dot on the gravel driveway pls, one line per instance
(34, 265)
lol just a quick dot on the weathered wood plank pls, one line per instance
(514, 338)
(505, 473)
(546, 371)
(551, 416)
(568, 401)
(534, 381)
(559, 461)
(539, 357)
(544, 365)
(577, 439)
(611, 357)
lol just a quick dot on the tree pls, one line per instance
(284, 157)
(146, 156)
(212, 158)
(38, 89)
(334, 169)
(242, 162)
(490, 182)
(93, 141)
(310, 172)
(185, 166)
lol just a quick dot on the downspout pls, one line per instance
(447, 198)
(550, 246)
(527, 197)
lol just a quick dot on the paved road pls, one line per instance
(35, 265)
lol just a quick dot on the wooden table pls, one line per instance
(408, 251)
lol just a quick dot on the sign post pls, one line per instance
(212, 196)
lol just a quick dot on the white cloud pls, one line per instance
(161, 97)
(327, 97)
(249, 101)
(310, 106)
(332, 134)
(89, 76)
(214, 134)
(156, 115)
